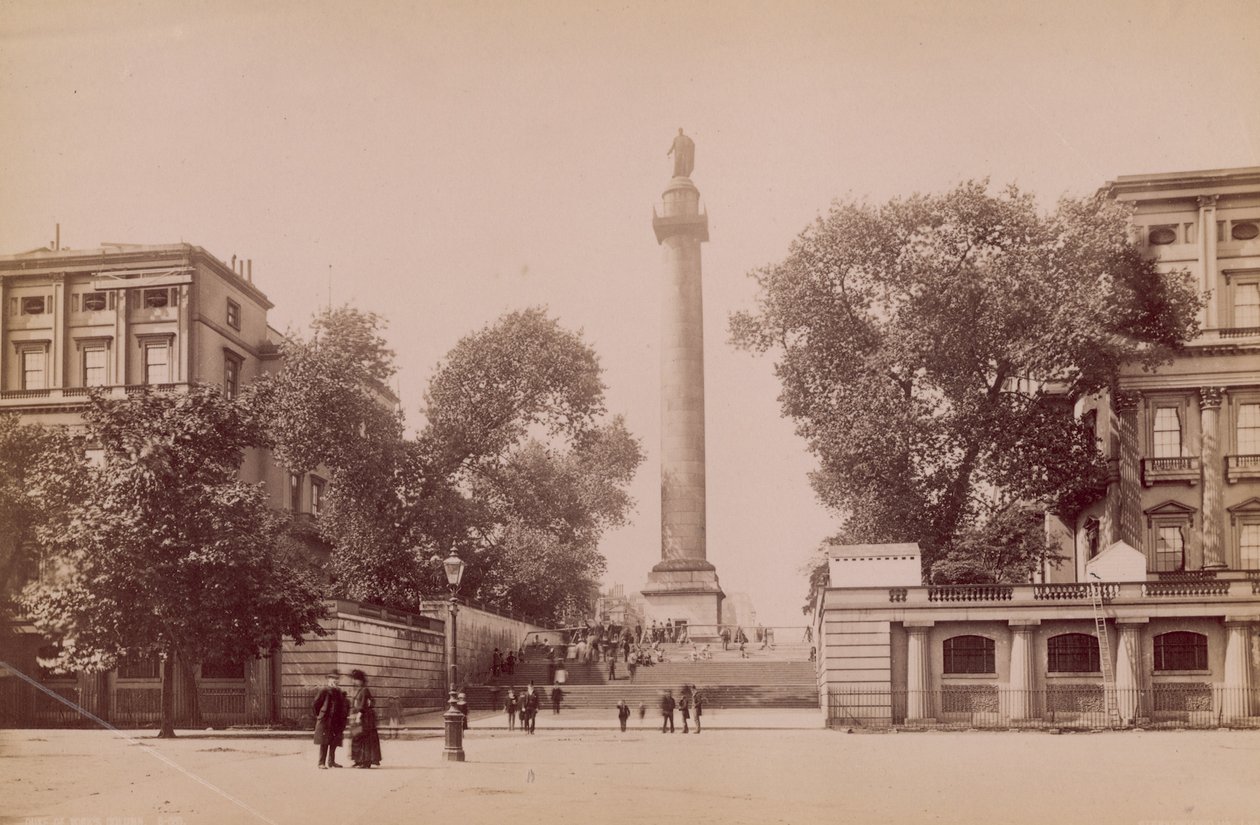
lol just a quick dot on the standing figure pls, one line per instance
(557, 696)
(623, 714)
(697, 704)
(684, 151)
(529, 704)
(684, 709)
(331, 711)
(509, 664)
(667, 711)
(642, 712)
(510, 707)
(496, 662)
(726, 638)
(365, 745)
(612, 668)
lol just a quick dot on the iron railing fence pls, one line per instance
(23, 705)
(975, 706)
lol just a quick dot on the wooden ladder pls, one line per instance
(1104, 655)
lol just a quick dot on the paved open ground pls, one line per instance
(583, 775)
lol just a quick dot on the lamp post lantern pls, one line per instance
(453, 720)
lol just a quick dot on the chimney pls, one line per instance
(249, 270)
(57, 242)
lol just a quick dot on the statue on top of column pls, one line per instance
(684, 152)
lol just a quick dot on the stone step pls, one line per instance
(607, 696)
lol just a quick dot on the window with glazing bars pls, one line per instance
(1170, 549)
(969, 654)
(1249, 547)
(1167, 440)
(1072, 653)
(1247, 305)
(1247, 431)
(1181, 650)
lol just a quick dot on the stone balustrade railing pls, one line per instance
(1225, 585)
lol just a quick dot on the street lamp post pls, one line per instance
(453, 720)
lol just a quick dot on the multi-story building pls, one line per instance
(120, 318)
(1173, 545)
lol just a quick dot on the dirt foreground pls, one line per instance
(590, 777)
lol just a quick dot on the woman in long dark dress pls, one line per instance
(365, 746)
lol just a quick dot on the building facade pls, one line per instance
(119, 319)
(1171, 552)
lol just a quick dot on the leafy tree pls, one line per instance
(516, 421)
(161, 549)
(24, 449)
(515, 466)
(925, 347)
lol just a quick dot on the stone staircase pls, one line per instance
(772, 680)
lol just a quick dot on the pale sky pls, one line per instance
(453, 161)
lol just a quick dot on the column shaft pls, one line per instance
(1213, 478)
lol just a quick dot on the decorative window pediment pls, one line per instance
(1174, 509)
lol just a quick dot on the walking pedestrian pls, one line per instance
(531, 702)
(642, 712)
(509, 664)
(632, 665)
(809, 634)
(331, 710)
(557, 695)
(510, 707)
(612, 668)
(667, 711)
(623, 714)
(496, 662)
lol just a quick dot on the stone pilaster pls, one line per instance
(919, 672)
(1236, 699)
(1213, 478)
(1128, 668)
(1023, 670)
(1211, 312)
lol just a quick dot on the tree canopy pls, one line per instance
(158, 548)
(517, 465)
(928, 350)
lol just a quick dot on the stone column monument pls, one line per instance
(684, 584)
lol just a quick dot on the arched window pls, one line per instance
(1072, 653)
(1181, 650)
(969, 654)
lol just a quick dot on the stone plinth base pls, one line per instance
(692, 595)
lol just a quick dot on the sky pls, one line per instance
(444, 163)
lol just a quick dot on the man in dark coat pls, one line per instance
(557, 695)
(697, 705)
(331, 709)
(667, 711)
(529, 704)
